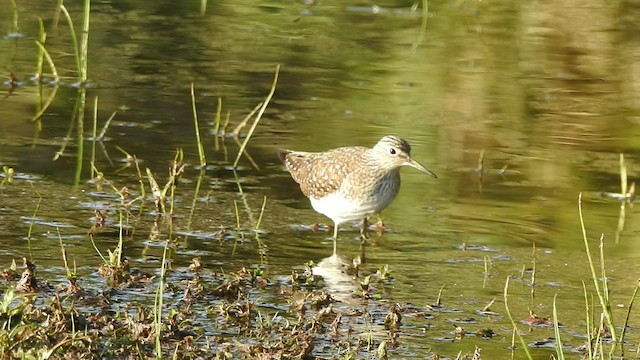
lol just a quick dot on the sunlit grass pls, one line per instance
(201, 156)
(556, 330)
(158, 303)
(72, 275)
(216, 122)
(516, 331)
(258, 117)
(262, 247)
(81, 51)
(167, 193)
(114, 259)
(596, 347)
(81, 48)
(601, 291)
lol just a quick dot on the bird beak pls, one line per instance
(415, 164)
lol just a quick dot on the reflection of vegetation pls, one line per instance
(625, 197)
(42, 107)
(423, 25)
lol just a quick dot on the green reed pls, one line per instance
(81, 49)
(72, 275)
(175, 171)
(203, 7)
(240, 237)
(115, 257)
(626, 320)
(84, 43)
(602, 292)
(589, 321)
(44, 54)
(196, 195)
(81, 102)
(513, 322)
(595, 329)
(56, 15)
(160, 194)
(556, 330)
(216, 122)
(258, 117)
(132, 159)
(262, 247)
(94, 134)
(42, 38)
(203, 161)
(158, 303)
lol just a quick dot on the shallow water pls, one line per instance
(549, 99)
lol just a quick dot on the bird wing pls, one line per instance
(320, 174)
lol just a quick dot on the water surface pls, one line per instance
(548, 98)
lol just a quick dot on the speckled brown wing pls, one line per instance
(320, 174)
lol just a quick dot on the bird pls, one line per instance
(353, 182)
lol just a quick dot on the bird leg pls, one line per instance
(364, 229)
(364, 236)
(335, 238)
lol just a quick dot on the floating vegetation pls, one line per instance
(200, 312)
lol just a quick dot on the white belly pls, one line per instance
(340, 208)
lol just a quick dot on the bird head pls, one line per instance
(394, 152)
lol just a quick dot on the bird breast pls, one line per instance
(358, 197)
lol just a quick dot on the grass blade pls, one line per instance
(515, 327)
(556, 330)
(203, 161)
(258, 117)
(602, 296)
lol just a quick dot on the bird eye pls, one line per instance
(392, 151)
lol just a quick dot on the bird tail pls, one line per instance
(283, 155)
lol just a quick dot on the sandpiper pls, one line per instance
(353, 182)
